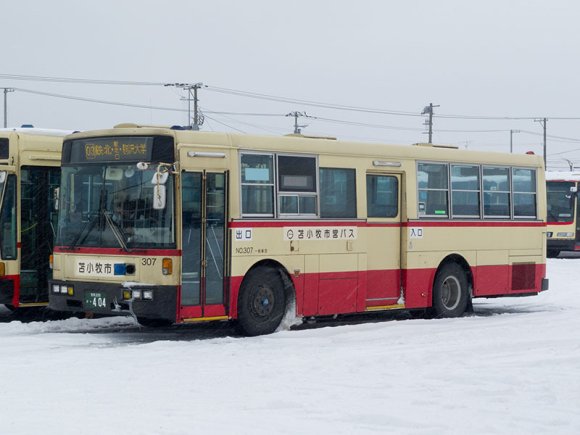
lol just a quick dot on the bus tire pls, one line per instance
(262, 302)
(450, 293)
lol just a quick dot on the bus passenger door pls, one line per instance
(38, 231)
(203, 205)
(383, 241)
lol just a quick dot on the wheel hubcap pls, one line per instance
(263, 302)
(451, 293)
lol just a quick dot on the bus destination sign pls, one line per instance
(112, 149)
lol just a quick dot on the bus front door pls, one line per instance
(203, 205)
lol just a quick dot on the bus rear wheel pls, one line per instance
(450, 295)
(262, 302)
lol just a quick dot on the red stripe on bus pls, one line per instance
(472, 224)
(119, 251)
(561, 223)
(279, 224)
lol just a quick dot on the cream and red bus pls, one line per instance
(237, 227)
(29, 175)
(562, 212)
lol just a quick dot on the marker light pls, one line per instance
(51, 261)
(167, 265)
(2, 269)
(126, 294)
(71, 291)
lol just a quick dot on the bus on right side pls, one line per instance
(562, 209)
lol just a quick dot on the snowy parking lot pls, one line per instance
(512, 367)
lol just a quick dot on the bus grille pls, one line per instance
(523, 276)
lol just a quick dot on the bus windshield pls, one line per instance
(111, 206)
(560, 201)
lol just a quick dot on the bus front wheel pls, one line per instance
(261, 303)
(450, 294)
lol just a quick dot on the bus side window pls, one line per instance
(337, 193)
(257, 184)
(433, 185)
(382, 196)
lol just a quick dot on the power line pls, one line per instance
(95, 100)
(276, 98)
(308, 102)
(228, 126)
(76, 80)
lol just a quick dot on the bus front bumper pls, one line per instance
(561, 244)
(150, 302)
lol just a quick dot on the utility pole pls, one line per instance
(543, 123)
(512, 139)
(197, 116)
(428, 110)
(296, 115)
(6, 90)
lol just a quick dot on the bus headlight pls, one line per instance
(63, 289)
(148, 294)
(565, 235)
(136, 294)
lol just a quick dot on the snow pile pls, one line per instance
(511, 368)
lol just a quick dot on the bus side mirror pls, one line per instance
(56, 195)
(159, 197)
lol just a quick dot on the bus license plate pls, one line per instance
(95, 300)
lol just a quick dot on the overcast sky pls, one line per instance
(493, 58)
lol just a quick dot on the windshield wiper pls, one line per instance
(89, 227)
(118, 232)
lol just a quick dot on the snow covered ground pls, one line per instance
(514, 367)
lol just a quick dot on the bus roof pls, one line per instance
(37, 131)
(309, 145)
(562, 176)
